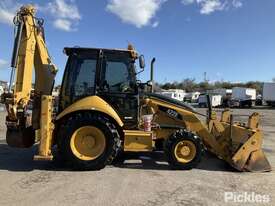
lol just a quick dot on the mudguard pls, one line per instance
(93, 103)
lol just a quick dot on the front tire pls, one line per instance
(183, 150)
(88, 141)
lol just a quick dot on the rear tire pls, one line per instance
(159, 144)
(101, 137)
(183, 150)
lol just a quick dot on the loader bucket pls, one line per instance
(241, 144)
(250, 156)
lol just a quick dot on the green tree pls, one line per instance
(225, 85)
(188, 84)
(204, 86)
(255, 85)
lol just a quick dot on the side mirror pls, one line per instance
(141, 61)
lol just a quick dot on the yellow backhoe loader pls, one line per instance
(104, 109)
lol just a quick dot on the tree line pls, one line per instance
(190, 85)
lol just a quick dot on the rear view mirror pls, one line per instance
(141, 62)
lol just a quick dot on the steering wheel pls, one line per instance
(123, 86)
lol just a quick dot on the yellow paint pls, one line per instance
(46, 129)
(137, 141)
(88, 143)
(216, 135)
(32, 54)
(164, 133)
(185, 151)
(190, 121)
(93, 103)
(226, 116)
(253, 121)
(25, 61)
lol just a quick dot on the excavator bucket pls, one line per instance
(20, 138)
(241, 144)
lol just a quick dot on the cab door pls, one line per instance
(79, 77)
(117, 86)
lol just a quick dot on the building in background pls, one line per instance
(226, 95)
(192, 97)
(1, 90)
(269, 93)
(215, 100)
(4, 84)
(242, 97)
(221, 91)
(177, 94)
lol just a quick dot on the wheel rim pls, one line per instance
(88, 143)
(185, 151)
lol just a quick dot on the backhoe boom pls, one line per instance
(29, 52)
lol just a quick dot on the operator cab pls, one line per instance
(107, 73)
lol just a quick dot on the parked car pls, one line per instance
(177, 94)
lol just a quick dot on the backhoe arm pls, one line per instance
(29, 52)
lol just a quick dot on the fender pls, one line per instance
(93, 103)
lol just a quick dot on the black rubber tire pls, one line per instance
(170, 144)
(119, 158)
(88, 119)
(159, 144)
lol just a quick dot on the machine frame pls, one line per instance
(91, 129)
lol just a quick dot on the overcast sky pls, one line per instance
(231, 40)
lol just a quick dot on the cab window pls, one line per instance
(79, 79)
(118, 74)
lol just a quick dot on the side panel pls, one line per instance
(91, 103)
(138, 141)
(190, 121)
